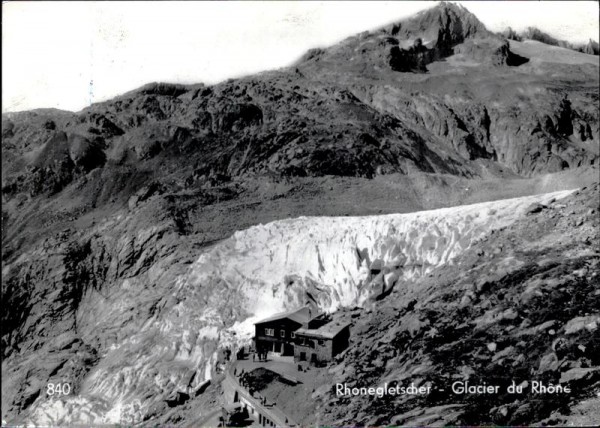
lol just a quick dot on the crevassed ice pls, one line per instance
(279, 265)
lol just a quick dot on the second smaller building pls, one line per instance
(320, 345)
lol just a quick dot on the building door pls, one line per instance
(288, 349)
(302, 356)
(313, 358)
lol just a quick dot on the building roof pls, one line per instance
(327, 331)
(232, 407)
(300, 316)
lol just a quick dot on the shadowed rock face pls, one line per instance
(106, 211)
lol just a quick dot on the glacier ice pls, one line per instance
(331, 260)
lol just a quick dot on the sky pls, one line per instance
(68, 55)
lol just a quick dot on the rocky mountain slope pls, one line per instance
(112, 215)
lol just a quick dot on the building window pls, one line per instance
(270, 331)
(282, 333)
(321, 342)
(293, 335)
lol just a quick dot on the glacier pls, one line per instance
(341, 261)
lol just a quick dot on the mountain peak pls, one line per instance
(449, 18)
(412, 43)
(449, 7)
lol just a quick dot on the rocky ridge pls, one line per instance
(533, 33)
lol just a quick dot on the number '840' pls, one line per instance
(58, 389)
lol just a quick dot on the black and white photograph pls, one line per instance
(300, 214)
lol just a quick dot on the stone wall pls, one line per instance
(323, 352)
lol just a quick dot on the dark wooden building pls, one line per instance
(276, 333)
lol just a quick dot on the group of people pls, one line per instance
(262, 356)
(243, 379)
